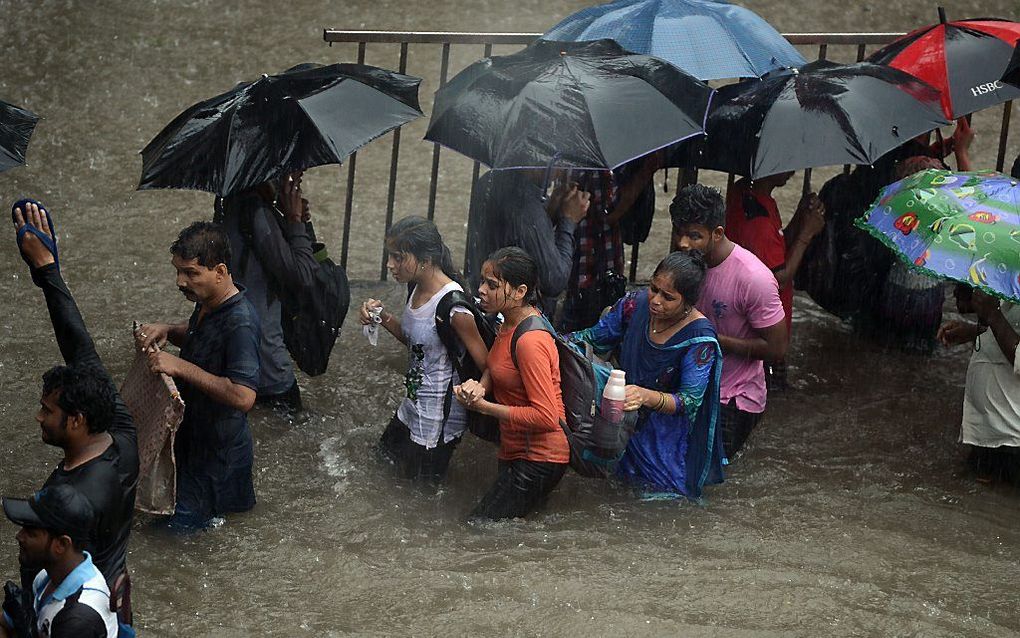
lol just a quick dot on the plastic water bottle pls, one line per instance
(613, 397)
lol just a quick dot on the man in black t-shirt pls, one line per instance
(82, 413)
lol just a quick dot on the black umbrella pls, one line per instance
(820, 115)
(590, 105)
(16, 126)
(306, 116)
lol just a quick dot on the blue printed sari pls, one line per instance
(673, 453)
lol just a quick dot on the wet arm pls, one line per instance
(533, 362)
(392, 325)
(794, 255)
(768, 345)
(555, 260)
(76, 344)
(1005, 336)
(219, 389)
(467, 331)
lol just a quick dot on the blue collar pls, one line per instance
(81, 574)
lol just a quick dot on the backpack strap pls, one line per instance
(444, 327)
(534, 322)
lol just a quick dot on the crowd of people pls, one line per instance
(700, 346)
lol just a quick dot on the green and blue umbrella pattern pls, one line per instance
(955, 225)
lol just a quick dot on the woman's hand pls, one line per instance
(636, 398)
(469, 394)
(953, 333)
(365, 313)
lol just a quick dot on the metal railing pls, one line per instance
(853, 45)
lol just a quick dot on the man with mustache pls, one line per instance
(217, 373)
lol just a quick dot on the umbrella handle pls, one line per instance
(548, 175)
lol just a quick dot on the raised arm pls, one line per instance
(73, 338)
(284, 247)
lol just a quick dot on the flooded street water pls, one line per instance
(848, 514)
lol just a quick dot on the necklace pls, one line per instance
(686, 313)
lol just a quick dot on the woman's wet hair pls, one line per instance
(517, 268)
(418, 236)
(698, 204)
(686, 271)
(205, 242)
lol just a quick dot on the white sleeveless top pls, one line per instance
(430, 376)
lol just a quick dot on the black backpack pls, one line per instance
(311, 318)
(481, 425)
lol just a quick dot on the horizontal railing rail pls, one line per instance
(446, 40)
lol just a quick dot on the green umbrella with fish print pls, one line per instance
(953, 225)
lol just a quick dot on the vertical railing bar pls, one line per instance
(391, 197)
(474, 172)
(823, 50)
(1007, 112)
(634, 260)
(352, 163)
(444, 67)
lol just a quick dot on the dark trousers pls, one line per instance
(521, 487)
(736, 426)
(411, 460)
(288, 401)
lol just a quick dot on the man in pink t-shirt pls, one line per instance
(741, 298)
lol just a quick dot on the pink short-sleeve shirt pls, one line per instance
(740, 296)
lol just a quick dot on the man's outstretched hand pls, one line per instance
(33, 250)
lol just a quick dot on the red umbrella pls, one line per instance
(964, 59)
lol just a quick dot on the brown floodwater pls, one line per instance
(848, 514)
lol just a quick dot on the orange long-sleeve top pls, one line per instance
(532, 391)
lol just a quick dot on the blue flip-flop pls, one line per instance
(49, 242)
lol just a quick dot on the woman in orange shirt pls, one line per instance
(533, 449)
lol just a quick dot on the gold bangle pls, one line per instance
(662, 402)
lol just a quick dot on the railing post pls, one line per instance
(352, 163)
(392, 195)
(434, 179)
(487, 51)
(1007, 111)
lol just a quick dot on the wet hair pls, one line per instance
(420, 237)
(516, 267)
(698, 204)
(206, 242)
(916, 164)
(83, 391)
(686, 271)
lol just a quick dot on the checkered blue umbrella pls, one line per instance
(709, 40)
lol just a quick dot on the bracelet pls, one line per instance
(662, 402)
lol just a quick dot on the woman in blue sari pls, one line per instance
(673, 363)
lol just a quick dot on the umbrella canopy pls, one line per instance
(960, 226)
(709, 40)
(16, 126)
(589, 105)
(821, 115)
(964, 59)
(307, 116)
